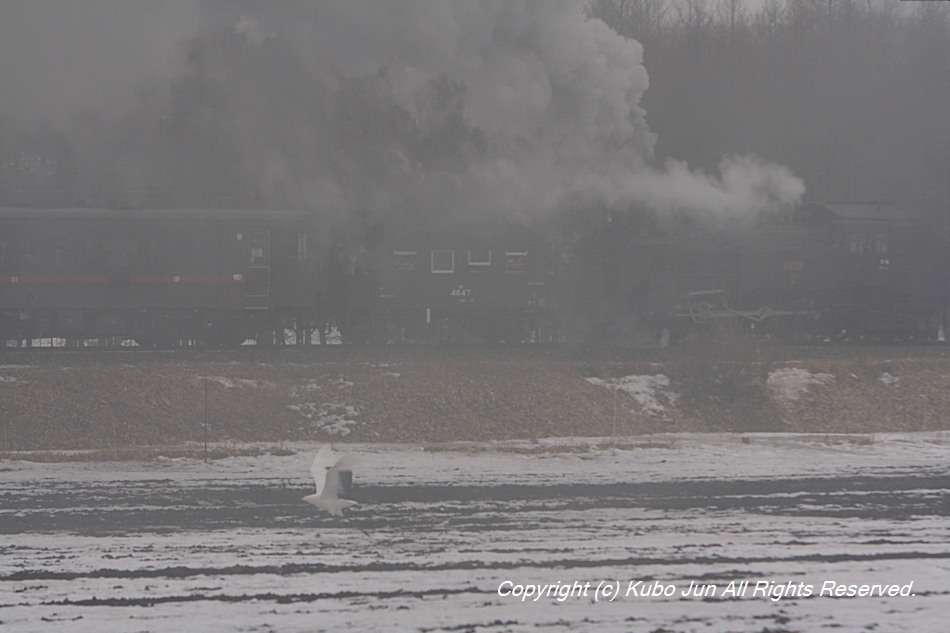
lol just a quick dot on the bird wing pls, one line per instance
(338, 478)
(322, 463)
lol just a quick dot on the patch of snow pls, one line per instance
(889, 379)
(334, 337)
(308, 410)
(646, 390)
(229, 383)
(791, 382)
(637, 459)
(327, 417)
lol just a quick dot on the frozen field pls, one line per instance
(447, 538)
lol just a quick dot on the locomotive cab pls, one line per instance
(456, 284)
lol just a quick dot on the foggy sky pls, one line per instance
(60, 56)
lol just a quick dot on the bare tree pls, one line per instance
(642, 20)
(734, 14)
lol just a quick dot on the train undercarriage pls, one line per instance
(161, 329)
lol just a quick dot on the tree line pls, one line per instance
(852, 95)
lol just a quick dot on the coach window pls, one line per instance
(302, 247)
(859, 243)
(443, 261)
(167, 256)
(45, 255)
(11, 254)
(516, 261)
(256, 253)
(357, 261)
(113, 253)
(404, 260)
(479, 261)
(881, 243)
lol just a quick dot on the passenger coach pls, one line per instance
(156, 276)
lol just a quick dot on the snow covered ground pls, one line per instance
(453, 537)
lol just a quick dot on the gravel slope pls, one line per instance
(65, 401)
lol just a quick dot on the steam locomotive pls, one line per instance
(222, 277)
(837, 270)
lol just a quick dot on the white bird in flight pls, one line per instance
(331, 481)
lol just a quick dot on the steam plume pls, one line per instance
(444, 106)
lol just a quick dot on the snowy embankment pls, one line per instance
(442, 397)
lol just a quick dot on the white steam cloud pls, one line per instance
(460, 106)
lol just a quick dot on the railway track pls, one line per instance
(338, 352)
